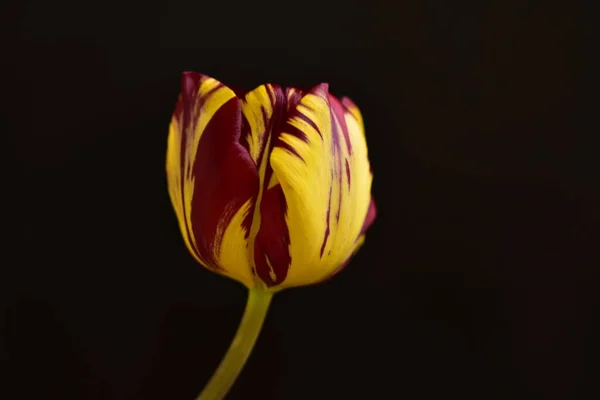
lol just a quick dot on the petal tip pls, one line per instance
(190, 80)
(191, 76)
(370, 217)
(321, 88)
(347, 102)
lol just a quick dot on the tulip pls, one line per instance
(271, 187)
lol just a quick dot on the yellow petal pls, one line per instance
(320, 160)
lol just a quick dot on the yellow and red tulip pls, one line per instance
(271, 187)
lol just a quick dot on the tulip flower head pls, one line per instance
(271, 187)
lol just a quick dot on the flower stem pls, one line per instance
(241, 346)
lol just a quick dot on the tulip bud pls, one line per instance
(272, 187)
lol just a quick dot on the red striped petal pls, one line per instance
(216, 179)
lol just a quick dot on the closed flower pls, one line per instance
(271, 187)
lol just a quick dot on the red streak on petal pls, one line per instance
(336, 150)
(347, 103)
(370, 218)
(327, 230)
(371, 214)
(268, 123)
(293, 96)
(348, 174)
(274, 91)
(273, 240)
(273, 126)
(337, 108)
(290, 149)
(309, 122)
(292, 130)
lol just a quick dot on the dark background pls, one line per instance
(476, 281)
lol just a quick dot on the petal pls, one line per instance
(272, 257)
(369, 219)
(264, 110)
(320, 160)
(211, 177)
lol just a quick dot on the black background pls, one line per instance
(476, 281)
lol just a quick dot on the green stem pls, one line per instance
(241, 346)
